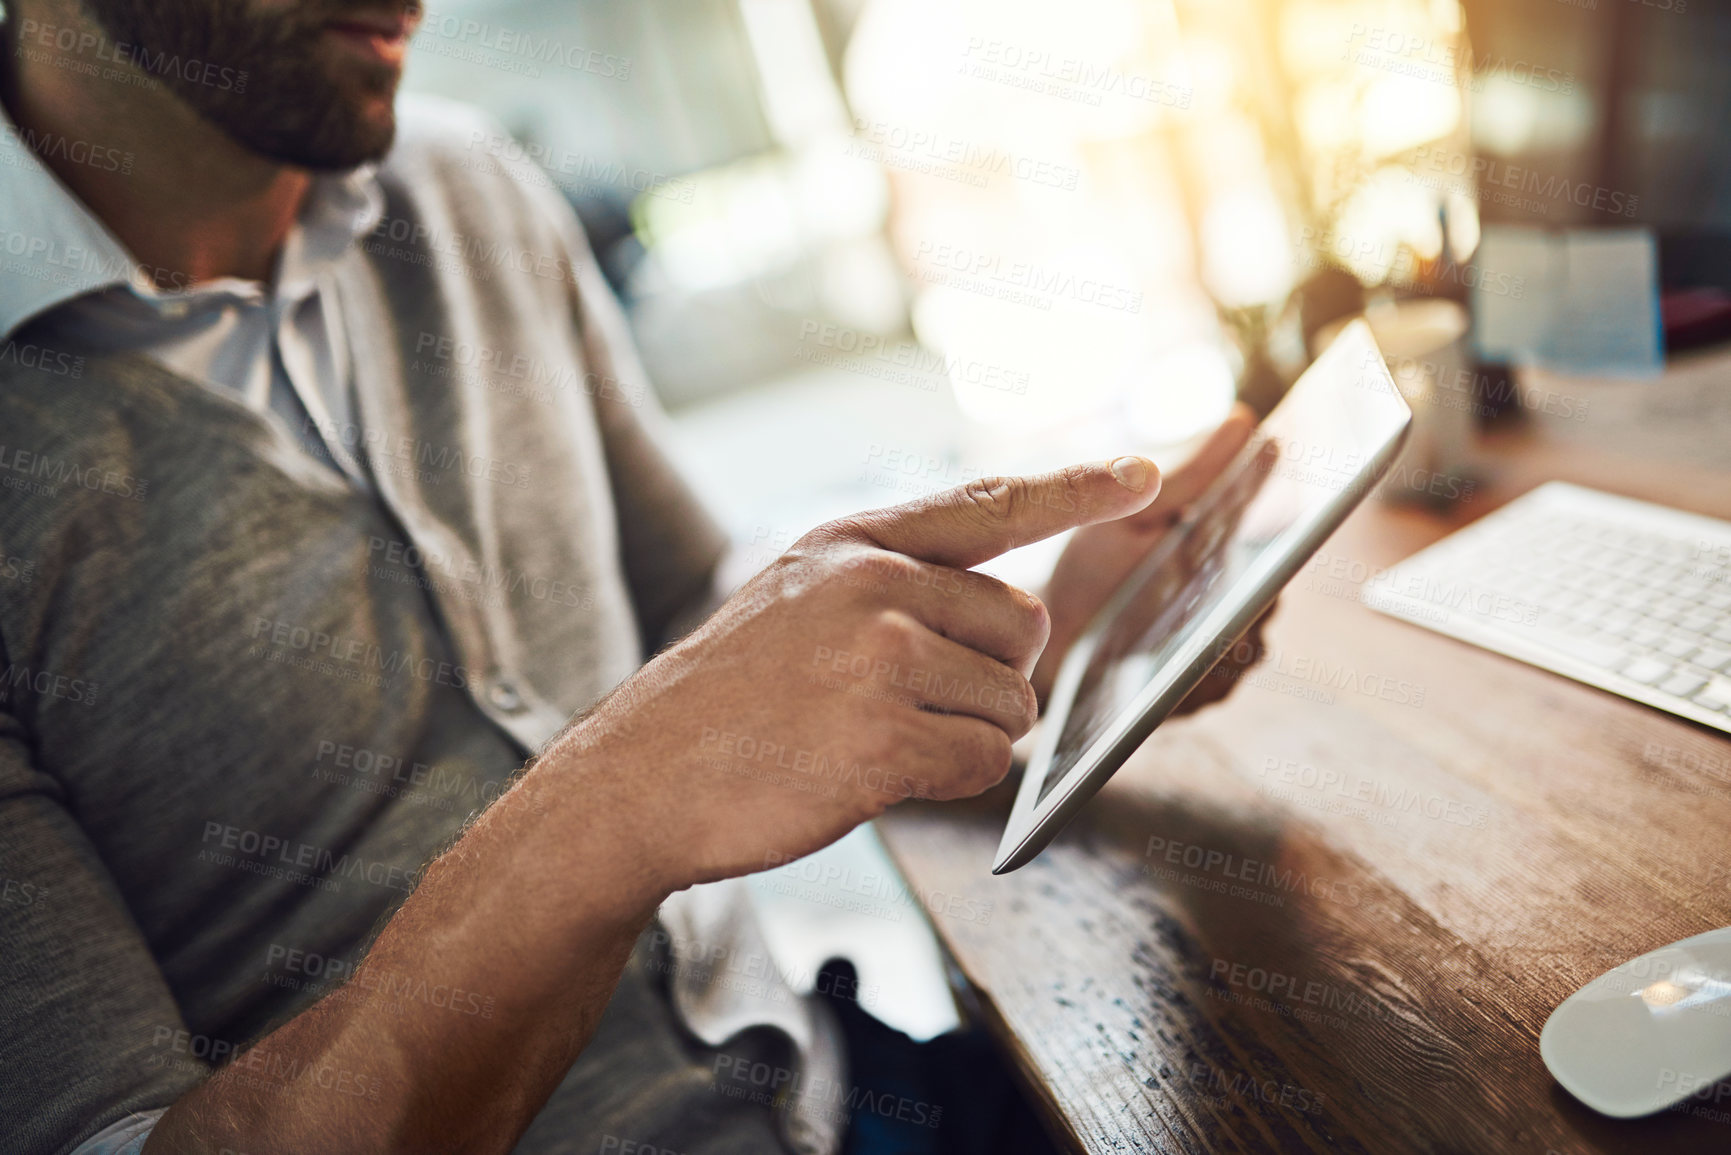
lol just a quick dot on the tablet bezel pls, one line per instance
(1034, 821)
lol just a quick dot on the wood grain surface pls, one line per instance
(1333, 913)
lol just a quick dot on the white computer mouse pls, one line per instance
(1649, 1033)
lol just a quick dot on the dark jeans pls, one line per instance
(950, 1096)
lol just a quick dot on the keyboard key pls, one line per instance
(1677, 647)
(1713, 658)
(1682, 684)
(1553, 620)
(1605, 655)
(1618, 620)
(1716, 695)
(1647, 671)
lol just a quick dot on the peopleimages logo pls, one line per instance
(463, 253)
(19, 146)
(258, 1066)
(36, 41)
(51, 260)
(33, 356)
(45, 684)
(1035, 68)
(1488, 173)
(254, 848)
(47, 475)
(515, 45)
(541, 376)
(1397, 797)
(1426, 57)
(940, 154)
(728, 750)
(1268, 876)
(880, 894)
(1019, 282)
(1400, 265)
(360, 659)
(842, 348)
(1242, 1085)
(568, 170)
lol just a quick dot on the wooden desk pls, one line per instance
(1381, 985)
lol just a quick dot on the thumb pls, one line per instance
(972, 523)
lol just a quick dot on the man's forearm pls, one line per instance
(519, 933)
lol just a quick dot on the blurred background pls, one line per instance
(874, 248)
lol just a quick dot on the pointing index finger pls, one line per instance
(976, 522)
(1187, 482)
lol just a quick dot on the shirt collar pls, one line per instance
(340, 209)
(54, 250)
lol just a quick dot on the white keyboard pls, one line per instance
(1623, 595)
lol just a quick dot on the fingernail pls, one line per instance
(1131, 472)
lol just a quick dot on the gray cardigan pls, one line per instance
(244, 702)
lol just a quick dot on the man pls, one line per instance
(289, 593)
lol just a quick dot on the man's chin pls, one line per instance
(374, 128)
(357, 148)
(351, 121)
(346, 138)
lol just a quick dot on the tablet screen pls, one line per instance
(1307, 462)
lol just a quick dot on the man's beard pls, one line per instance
(283, 96)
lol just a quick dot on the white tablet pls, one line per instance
(1304, 469)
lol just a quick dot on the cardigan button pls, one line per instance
(504, 695)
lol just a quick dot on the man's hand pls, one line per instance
(866, 665)
(1098, 559)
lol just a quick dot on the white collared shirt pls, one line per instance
(279, 347)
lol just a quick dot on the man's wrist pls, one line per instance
(609, 805)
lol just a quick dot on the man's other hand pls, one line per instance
(1098, 559)
(866, 665)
